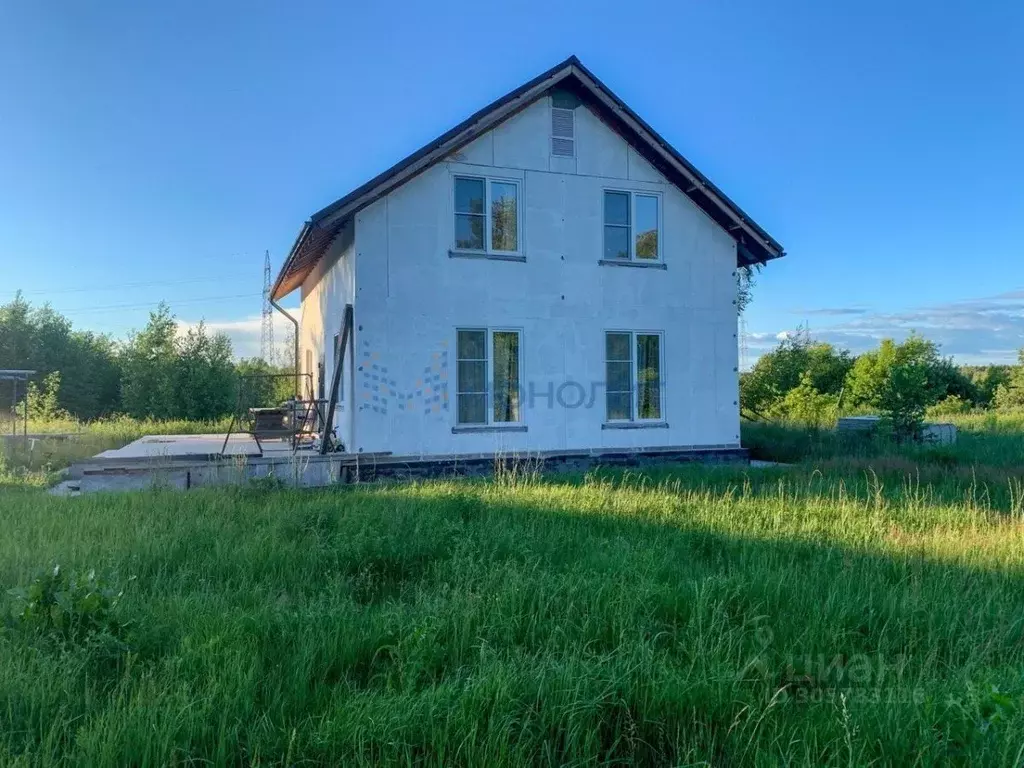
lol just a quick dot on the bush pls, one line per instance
(986, 380)
(806, 405)
(67, 608)
(43, 402)
(953, 405)
(1009, 395)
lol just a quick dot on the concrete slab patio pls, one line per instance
(182, 446)
(192, 461)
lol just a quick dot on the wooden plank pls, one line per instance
(339, 365)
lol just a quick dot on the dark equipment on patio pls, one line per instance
(306, 422)
(298, 420)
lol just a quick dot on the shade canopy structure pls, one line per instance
(16, 377)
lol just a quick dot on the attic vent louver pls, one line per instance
(563, 132)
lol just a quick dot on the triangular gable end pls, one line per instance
(754, 245)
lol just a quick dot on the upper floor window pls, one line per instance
(486, 215)
(632, 226)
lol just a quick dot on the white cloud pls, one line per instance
(835, 311)
(245, 333)
(978, 331)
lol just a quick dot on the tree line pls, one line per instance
(812, 382)
(161, 372)
(158, 372)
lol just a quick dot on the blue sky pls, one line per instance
(155, 150)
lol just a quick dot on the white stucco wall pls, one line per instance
(411, 296)
(324, 295)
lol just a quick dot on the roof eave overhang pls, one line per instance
(282, 285)
(754, 244)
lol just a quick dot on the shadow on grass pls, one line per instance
(854, 654)
(554, 623)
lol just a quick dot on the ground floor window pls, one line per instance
(633, 376)
(488, 376)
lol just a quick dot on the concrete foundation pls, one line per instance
(148, 464)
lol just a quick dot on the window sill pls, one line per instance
(633, 263)
(453, 254)
(471, 428)
(635, 425)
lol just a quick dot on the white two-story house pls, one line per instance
(548, 276)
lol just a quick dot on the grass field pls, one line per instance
(867, 610)
(35, 463)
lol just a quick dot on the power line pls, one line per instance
(110, 286)
(151, 305)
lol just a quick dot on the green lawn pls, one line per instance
(848, 614)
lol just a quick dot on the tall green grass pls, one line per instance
(989, 440)
(35, 462)
(128, 428)
(679, 617)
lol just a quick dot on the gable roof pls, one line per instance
(754, 244)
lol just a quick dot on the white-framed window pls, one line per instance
(563, 132)
(487, 214)
(633, 365)
(632, 226)
(488, 376)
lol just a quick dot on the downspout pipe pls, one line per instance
(294, 322)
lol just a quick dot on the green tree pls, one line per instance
(16, 334)
(781, 370)
(148, 368)
(1010, 393)
(806, 405)
(872, 370)
(205, 379)
(901, 381)
(90, 376)
(986, 380)
(158, 372)
(42, 340)
(43, 401)
(949, 380)
(904, 398)
(258, 390)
